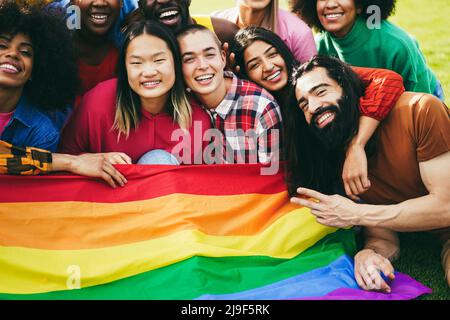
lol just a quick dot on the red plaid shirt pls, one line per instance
(249, 122)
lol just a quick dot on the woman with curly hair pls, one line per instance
(140, 111)
(37, 74)
(352, 31)
(267, 14)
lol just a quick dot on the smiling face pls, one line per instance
(172, 13)
(98, 17)
(265, 66)
(16, 60)
(203, 63)
(337, 16)
(150, 68)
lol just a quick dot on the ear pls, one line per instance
(223, 55)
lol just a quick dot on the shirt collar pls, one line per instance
(24, 112)
(356, 38)
(231, 98)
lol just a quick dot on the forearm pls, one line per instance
(420, 214)
(63, 162)
(383, 242)
(367, 127)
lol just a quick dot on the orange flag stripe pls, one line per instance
(87, 225)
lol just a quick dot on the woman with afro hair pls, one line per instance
(357, 32)
(37, 74)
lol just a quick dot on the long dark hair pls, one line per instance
(246, 37)
(128, 111)
(309, 163)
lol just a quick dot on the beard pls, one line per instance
(336, 134)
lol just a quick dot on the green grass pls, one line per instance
(427, 21)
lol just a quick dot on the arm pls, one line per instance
(23, 161)
(383, 88)
(429, 212)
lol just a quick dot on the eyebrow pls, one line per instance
(193, 53)
(301, 100)
(255, 58)
(152, 55)
(9, 38)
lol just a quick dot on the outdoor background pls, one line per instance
(427, 21)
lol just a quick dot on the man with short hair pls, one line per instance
(408, 164)
(247, 116)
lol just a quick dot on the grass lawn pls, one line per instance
(427, 22)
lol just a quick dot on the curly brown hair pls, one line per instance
(306, 10)
(54, 77)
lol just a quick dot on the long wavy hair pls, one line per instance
(128, 111)
(54, 76)
(309, 162)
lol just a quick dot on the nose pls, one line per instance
(267, 65)
(100, 3)
(202, 63)
(314, 104)
(12, 53)
(330, 4)
(149, 71)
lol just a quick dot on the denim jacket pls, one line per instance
(30, 127)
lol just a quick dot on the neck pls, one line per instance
(154, 105)
(212, 100)
(87, 39)
(9, 98)
(345, 31)
(250, 17)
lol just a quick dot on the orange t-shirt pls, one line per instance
(416, 130)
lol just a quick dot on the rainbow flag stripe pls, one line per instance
(192, 232)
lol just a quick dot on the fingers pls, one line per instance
(312, 194)
(125, 158)
(365, 182)
(308, 203)
(112, 176)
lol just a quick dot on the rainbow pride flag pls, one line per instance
(192, 232)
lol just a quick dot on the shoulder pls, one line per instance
(261, 98)
(228, 14)
(420, 107)
(292, 23)
(100, 98)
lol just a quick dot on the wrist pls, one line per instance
(63, 162)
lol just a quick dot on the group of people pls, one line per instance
(146, 82)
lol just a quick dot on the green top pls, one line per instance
(388, 47)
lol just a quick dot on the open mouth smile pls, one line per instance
(205, 78)
(325, 119)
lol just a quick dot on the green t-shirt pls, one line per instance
(388, 47)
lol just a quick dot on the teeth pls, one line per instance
(9, 67)
(99, 16)
(333, 15)
(324, 117)
(204, 77)
(273, 76)
(168, 14)
(151, 83)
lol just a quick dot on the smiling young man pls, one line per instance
(408, 161)
(247, 116)
(175, 14)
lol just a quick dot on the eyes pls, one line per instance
(303, 104)
(272, 54)
(155, 61)
(191, 59)
(26, 52)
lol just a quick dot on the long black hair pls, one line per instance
(246, 37)
(54, 76)
(309, 162)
